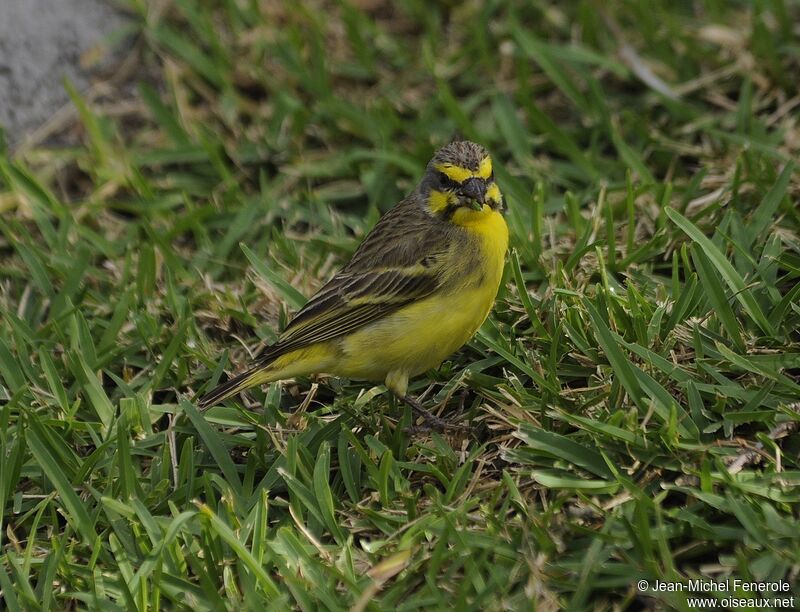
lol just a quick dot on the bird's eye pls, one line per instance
(445, 182)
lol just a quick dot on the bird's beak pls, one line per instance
(474, 189)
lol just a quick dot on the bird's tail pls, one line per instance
(271, 366)
(252, 377)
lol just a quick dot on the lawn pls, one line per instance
(632, 403)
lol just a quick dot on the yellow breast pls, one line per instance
(489, 229)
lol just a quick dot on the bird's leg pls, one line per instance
(431, 420)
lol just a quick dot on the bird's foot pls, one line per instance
(431, 422)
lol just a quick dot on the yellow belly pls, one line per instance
(416, 338)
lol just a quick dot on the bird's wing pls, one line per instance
(390, 269)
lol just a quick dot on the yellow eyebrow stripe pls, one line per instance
(485, 168)
(459, 174)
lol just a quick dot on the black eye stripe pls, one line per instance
(446, 182)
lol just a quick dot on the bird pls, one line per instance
(418, 287)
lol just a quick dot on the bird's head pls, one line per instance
(459, 179)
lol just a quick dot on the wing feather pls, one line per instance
(354, 301)
(399, 262)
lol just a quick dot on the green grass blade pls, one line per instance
(76, 512)
(725, 269)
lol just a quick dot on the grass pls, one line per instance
(632, 400)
